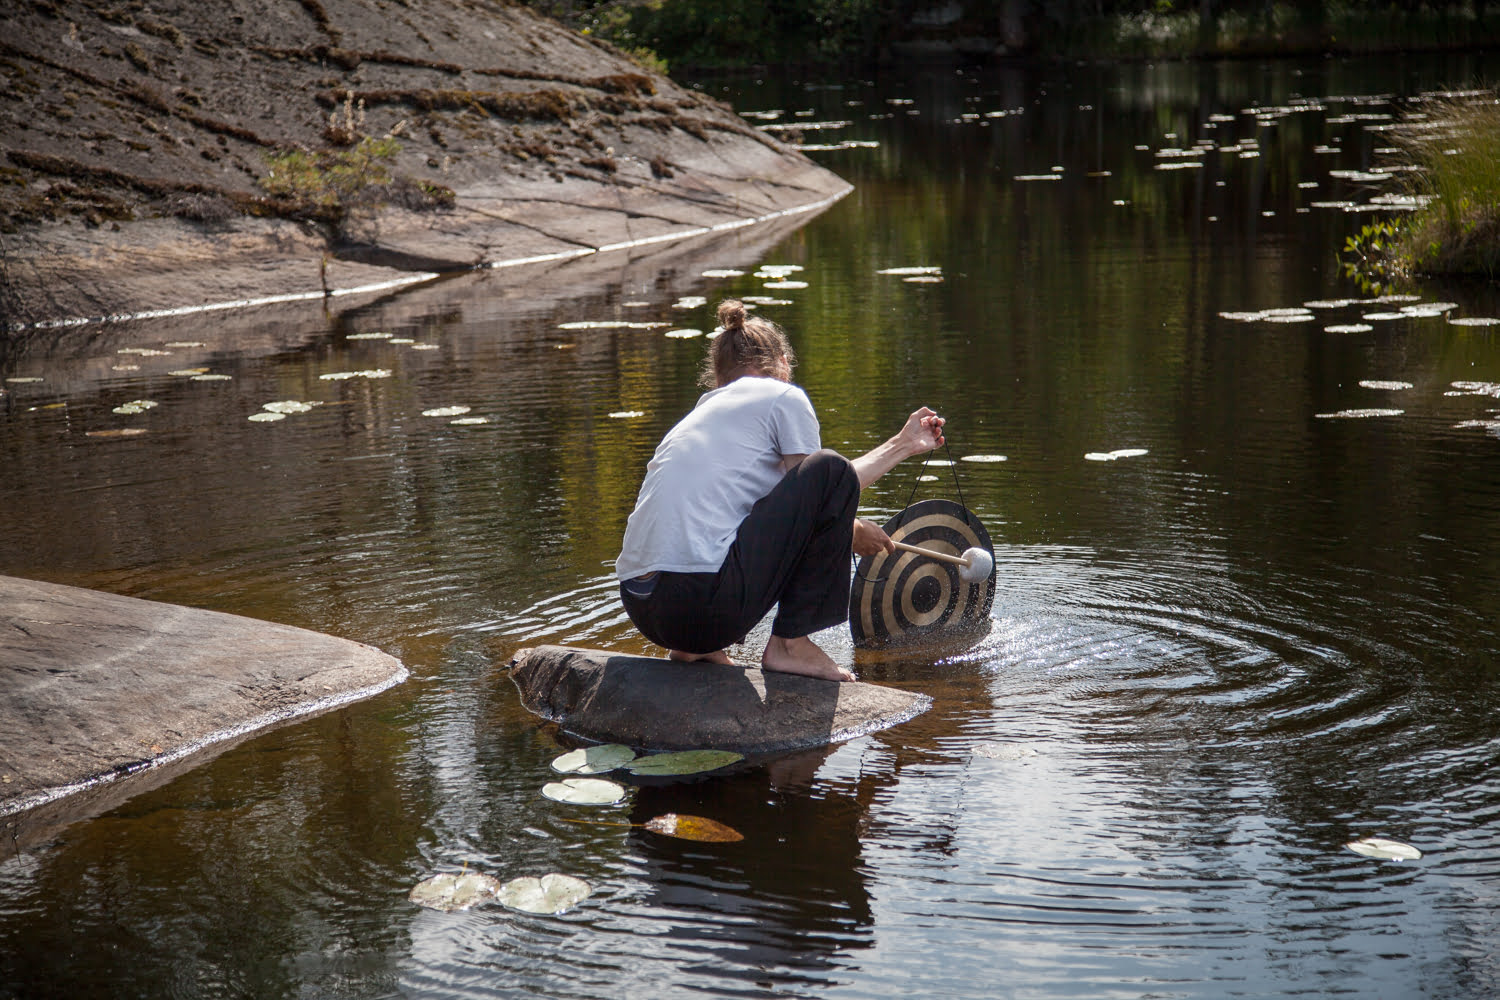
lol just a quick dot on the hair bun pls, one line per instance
(731, 314)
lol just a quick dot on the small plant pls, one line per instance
(1372, 256)
(346, 125)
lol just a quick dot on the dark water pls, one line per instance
(1211, 665)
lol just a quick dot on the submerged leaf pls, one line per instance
(594, 760)
(454, 891)
(683, 762)
(551, 894)
(1386, 850)
(584, 791)
(693, 828)
(1003, 751)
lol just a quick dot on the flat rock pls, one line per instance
(95, 687)
(658, 704)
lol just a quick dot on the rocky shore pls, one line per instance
(164, 156)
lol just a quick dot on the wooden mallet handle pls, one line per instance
(930, 554)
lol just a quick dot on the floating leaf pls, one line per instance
(1328, 303)
(369, 336)
(365, 373)
(923, 279)
(693, 828)
(607, 324)
(1371, 383)
(927, 479)
(424, 347)
(135, 406)
(594, 760)
(188, 372)
(402, 340)
(723, 272)
(145, 352)
(185, 343)
(1348, 328)
(1358, 414)
(1475, 321)
(1003, 751)
(266, 416)
(1380, 317)
(446, 411)
(690, 302)
(683, 762)
(626, 414)
(1386, 850)
(287, 406)
(782, 283)
(551, 894)
(454, 891)
(469, 421)
(1129, 452)
(117, 432)
(982, 458)
(23, 379)
(684, 334)
(212, 378)
(584, 791)
(903, 271)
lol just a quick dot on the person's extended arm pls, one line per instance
(922, 432)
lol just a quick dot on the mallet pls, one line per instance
(974, 565)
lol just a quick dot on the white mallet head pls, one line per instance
(977, 565)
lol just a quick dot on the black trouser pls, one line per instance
(791, 550)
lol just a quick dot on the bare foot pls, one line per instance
(801, 656)
(720, 656)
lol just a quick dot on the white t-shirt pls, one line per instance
(710, 470)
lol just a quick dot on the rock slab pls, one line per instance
(657, 704)
(96, 686)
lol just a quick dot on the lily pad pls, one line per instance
(551, 894)
(454, 891)
(693, 828)
(1348, 328)
(1358, 414)
(1385, 850)
(364, 373)
(684, 334)
(683, 762)
(626, 414)
(594, 760)
(135, 406)
(1475, 321)
(188, 372)
(1372, 383)
(287, 406)
(903, 271)
(584, 791)
(469, 421)
(1003, 751)
(266, 416)
(212, 377)
(23, 379)
(981, 458)
(446, 411)
(369, 336)
(723, 272)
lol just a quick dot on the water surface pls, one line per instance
(1211, 665)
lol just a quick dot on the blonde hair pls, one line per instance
(748, 345)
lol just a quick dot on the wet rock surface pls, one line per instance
(95, 687)
(147, 150)
(658, 704)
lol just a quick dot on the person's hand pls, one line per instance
(923, 431)
(870, 539)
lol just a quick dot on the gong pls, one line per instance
(904, 597)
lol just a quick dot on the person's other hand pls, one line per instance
(870, 539)
(923, 431)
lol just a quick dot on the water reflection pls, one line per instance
(1254, 638)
